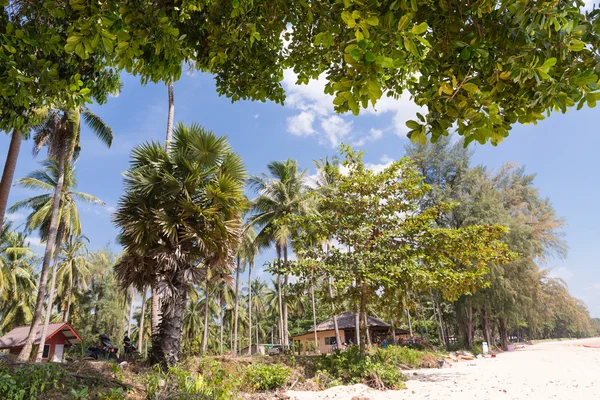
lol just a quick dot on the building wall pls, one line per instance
(308, 341)
(59, 338)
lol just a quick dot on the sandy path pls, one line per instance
(552, 370)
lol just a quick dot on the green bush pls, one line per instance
(30, 381)
(266, 377)
(477, 348)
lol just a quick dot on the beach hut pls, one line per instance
(61, 335)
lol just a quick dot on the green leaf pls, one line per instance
(548, 63)
(470, 87)
(370, 57)
(404, 21)
(419, 29)
(410, 46)
(413, 124)
(373, 21)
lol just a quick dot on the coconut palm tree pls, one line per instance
(60, 132)
(181, 212)
(283, 192)
(17, 280)
(73, 271)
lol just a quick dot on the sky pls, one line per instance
(561, 150)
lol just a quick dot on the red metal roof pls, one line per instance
(18, 336)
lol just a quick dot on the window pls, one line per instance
(46, 351)
(330, 340)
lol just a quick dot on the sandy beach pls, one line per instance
(551, 370)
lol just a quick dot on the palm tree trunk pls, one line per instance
(279, 299)
(171, 113)
(9, 171)
(222, 315)
(131, 300)
(68, 308)
(363, 325)
(338, 337)
(356, 330)
(312, 295)
(167, 348)
(155, 318)
(235, 311)
(50, 243)
(142, 318)
(409, 322)
(205, 334)
(40, 351)
(250, 310)
(286, 332)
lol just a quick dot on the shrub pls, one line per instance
(266, 377)
(30, 381)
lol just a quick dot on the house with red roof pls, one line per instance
(61, 335)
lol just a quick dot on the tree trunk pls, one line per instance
(142, 318)
(356, 327)
(485, 325)
(362, 324)
(171, 113)
(369, 342)
(131, 301)
(338, 337)
(155, 317)
(256, 325)
(503, 334)
(40, 350)
(286, 332)
(166, 350)
(464, 313)
(409, 322)
(222, 317)
(50, 244)
(312, 295)
(68, 308)
(205, 334)
(9, 172)
(279, 299)
(235, 311)
(492, 333)
(250, 311)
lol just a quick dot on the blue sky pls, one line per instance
(561, 150)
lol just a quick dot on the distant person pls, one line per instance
(350, 343)
(384, 343)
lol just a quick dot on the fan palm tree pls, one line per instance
(17, 280)
(61, 133)
(283, 192)
(73, 271)
(182, 213)
(246, 254)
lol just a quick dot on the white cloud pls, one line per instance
(15, 217)
(336, 129)
(374, 135)
(36, 241)
(386, 161)
(561, 272)
(301, 124)
(313, 103)
(256, 116)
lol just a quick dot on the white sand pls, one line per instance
(551, 370)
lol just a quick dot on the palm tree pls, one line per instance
(8, 173)
(73, 271)
(283, 192)
(61, 132)
(260, 303)
(181, 213)
(17, 280)
(246, 254)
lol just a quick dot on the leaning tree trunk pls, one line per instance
(205, 334)
(336, 327)
(250, 311)
(50, 243)
(67, 310)
(286, 332)
(171, 114)
(9, 171)
(142, 318)
(235, 309)
(363, 325)
(40, 351)
(410, 330)
(314, 311)
(131, 300)
(222, 315)
(166, 350)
